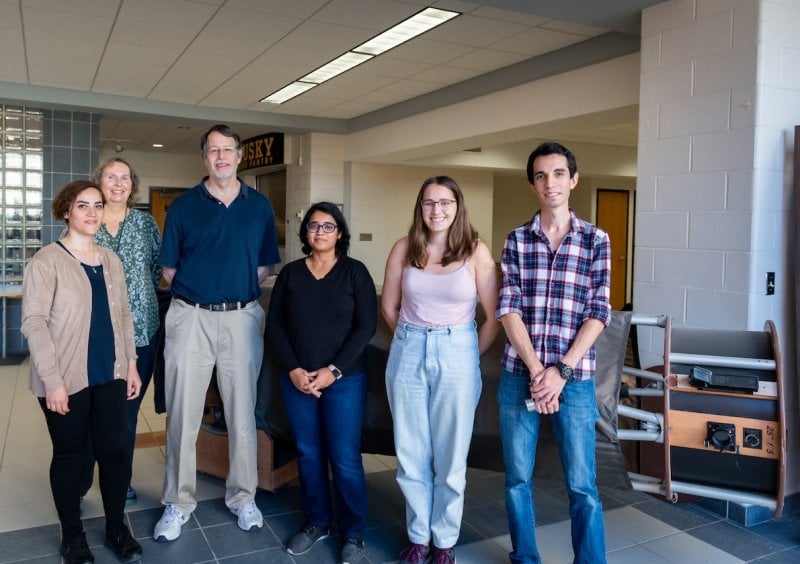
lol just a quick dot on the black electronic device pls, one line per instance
(704, 379)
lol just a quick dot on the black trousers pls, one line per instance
(99, 414)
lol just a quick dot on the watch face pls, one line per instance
(567, 373)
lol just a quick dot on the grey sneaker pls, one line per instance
(353, 551)
(303, 540)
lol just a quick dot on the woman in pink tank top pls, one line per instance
(433, 280)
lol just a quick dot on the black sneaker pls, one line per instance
(123, 544)
(353, 551)
(303, 540)
(75, 550)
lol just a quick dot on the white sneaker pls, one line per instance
(249, 516)
(169, 526)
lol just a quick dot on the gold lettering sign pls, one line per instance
(264, 150)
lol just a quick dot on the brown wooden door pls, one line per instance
(612, 217)
(160, 199)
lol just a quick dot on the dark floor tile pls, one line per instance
(469, 534)
(273, 556)
(628, 497)
(489, 519)
(785, 532)
(30, 543)
(143, 522)
(379, 514)
(283, 500)
(479, 488)
(213, 512)
(383, 544)
(285, 525)
(550, 508)
(191, 546)
(230, 540)
(610, 502)
(735, 540)
(786, 556)
(682, 516)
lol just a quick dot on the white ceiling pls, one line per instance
(162, 70)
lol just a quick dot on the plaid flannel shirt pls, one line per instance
(555, 292)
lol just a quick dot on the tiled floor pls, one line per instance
(639, 528)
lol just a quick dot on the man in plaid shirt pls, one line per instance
(553, 305)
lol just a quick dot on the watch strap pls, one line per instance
(335, 371)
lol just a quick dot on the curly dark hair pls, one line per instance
(342, 243)
(68, 194)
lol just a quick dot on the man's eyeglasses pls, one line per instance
(327, 227)
(444, 205)
(217, 151)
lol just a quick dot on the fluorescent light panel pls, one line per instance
(416, 25)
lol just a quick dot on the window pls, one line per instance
(21, 174)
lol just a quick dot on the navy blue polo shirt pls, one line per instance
(217, 249)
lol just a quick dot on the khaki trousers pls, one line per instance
(196, 341)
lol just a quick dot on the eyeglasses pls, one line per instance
(444, 205)
(327, 227)
(216, 151)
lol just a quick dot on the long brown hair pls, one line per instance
(461, 236)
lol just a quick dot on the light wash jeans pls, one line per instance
(433, 382)
(573, 427)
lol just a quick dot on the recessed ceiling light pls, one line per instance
(157, 145)
(416, 25)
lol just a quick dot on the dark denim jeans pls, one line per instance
(327, 430)
(574, 431)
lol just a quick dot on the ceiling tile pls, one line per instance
(509, 16)
(428, 51)
(101, 8)
(444, 75)
(577, 29)
(9, 16)
(475, 32)
(537, 42)
(170, 13)
(486, 60)
(241, 23)
(292, 8)
(151, 35)
(337, 38)
(375, 15)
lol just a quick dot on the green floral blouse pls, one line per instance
(138, 244)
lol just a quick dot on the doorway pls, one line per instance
(160, 199)
(612, 217)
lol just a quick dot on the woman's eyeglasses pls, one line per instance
(444, 205)
(327, 227)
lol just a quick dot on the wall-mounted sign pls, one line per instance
(264, 150)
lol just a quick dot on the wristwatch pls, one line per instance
(566, 371)
(335, 371)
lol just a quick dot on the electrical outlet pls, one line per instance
(770, 283)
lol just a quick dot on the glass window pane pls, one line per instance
(33, 122)
(13, 271)
(34, 161)
(33, 142)
(33, 235)
(13, 122)
(13, 160)
(33, 197)
(13, 178)
(13, 252)
(33, 215)
(13, 215)
(13, 141)
(13, 197)
(13, 233)
(33, 180)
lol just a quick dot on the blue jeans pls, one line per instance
(433, 383)
(573, 427)
(328, 430)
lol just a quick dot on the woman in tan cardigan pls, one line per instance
(79, 327)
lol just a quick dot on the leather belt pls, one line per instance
(221, 306)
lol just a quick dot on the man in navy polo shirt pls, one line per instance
(219, 239)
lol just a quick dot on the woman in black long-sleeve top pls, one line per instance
(322, 314)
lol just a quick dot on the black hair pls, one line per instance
(552, 148)
(342, 243)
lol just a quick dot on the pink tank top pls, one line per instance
(438, 300)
